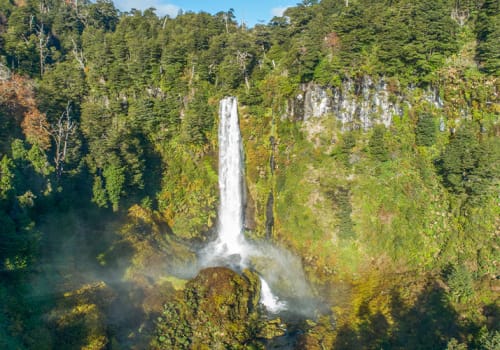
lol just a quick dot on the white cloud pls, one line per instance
(167, 9)
(279, 11)
(162, 9)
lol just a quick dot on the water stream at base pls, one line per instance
(231, 244)
(269, 300)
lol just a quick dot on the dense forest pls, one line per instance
(371, 134)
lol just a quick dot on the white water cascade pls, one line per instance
(269, 300)
(231, 241)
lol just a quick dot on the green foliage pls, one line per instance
(344, 151)
(415, 317)
(457, 161)
(198, 120)
(6, 177)
(173, 329)
(39, 161)
(425, 130)
(62, 84)
(468, 164)
(99, 195)
(342, 200)
(325, 72)
(20, 53)
(489, 340)
(114, 175)
(377, 147)
(293, 188)
(18, 150)
(188, 194)
(460, 282)
(103, 15)
(488, 36)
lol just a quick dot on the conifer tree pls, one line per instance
(425, 130)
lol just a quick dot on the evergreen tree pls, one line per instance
(99, 195)
(114, 175)
(425, 130)
(459, 158)
(377, 147)
(469, 166)
(488, 36)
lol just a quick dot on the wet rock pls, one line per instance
(250, 223)
(269, 215)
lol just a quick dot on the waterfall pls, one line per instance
(231, 241)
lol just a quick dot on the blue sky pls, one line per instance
(250, 11)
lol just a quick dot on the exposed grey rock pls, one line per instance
(357, 104)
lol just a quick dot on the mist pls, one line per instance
(92, 274)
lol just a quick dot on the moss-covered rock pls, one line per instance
(272, 329)
(218, 309)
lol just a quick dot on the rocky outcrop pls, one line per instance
(218, 309)
(357, 104)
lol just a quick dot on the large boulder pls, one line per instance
(218, 309)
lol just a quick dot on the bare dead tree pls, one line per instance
(241, 58)
(42, 42)
(78, 54)
(460, 16)
(226, 19)
(5, 73)
(44, 7)
(61, 131)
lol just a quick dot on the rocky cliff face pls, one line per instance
(357, 104)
